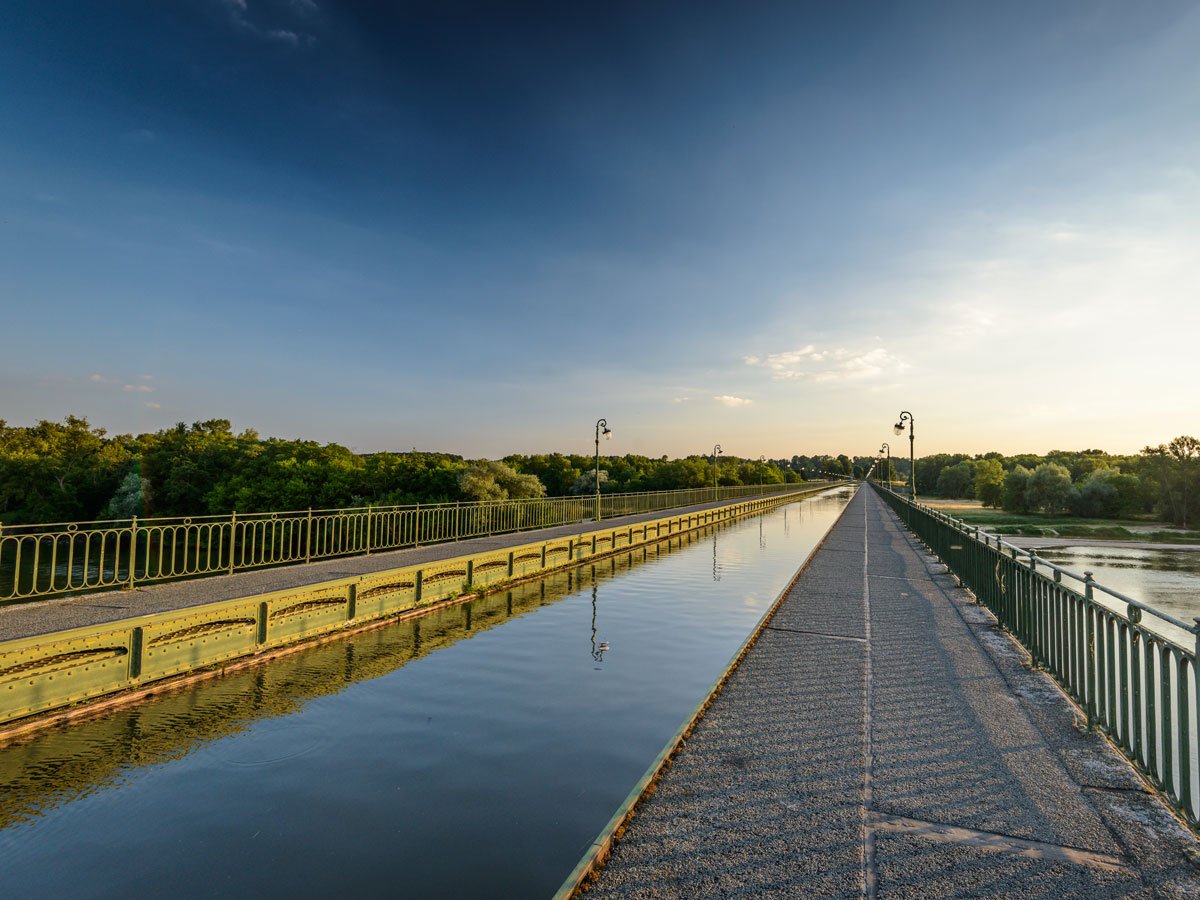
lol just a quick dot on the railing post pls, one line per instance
(232, 538)
(417, 527)
(132, 551)
(1089, 652)
(369, 530)
(308, 538)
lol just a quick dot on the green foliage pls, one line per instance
(54, 472)
(69, 471)
(989, 482)
(1015, 494)
(957, 480)
(1049, 488)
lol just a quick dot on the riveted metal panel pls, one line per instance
(445, 580)
(387, 593)
(306, 613)
(184, 643)
(37, 677)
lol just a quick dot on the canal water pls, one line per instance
(475, 752)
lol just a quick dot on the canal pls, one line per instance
(474, 752)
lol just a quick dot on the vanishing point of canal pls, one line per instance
(475, 752)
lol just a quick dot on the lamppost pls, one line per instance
(889, 463)
(898, 428)
(762, 465)
(716, 453)
(600, 423)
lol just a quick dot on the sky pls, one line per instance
(479, 227)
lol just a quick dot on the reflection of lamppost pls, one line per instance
(716, 453)
(889, 463)
(899, 429)
(716, 568)
(597, 651)
(600, 423)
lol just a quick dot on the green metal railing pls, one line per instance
(1130, 667)
(71, 557)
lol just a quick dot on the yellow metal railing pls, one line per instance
(50, 671)
(74, 557)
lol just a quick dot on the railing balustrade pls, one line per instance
(74, 557)
(1130, 668)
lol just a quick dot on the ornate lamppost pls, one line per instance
(898, 428)
(889, 463)
(600, 424)
(762, 465)
(716, 453)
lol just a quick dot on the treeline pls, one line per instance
(71, 471)
(1161, 481)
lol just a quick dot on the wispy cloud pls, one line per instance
(838, 364)
(239, 16)
(138, 388)
(727, 400)
(152, 405)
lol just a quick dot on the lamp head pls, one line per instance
(607, 434)
(898, 428)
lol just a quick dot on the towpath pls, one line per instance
(883, 739)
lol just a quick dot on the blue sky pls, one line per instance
(479, 227)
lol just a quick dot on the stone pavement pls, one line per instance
(18, 620)
(883, 739)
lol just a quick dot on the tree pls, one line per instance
(1015, 483)
(487, 479)
(1050, 488)
(989, 482)
(957, 480)
(1176, 461)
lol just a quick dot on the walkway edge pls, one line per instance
(596, 855)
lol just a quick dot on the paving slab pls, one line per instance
(884, 739)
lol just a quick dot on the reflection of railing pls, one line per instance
(1130, 667)
(37, 560)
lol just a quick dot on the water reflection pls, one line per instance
(597, 650)
(46, 770)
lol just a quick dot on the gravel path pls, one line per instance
(44, 616)
(882, 739)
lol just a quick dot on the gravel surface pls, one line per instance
(883, 739)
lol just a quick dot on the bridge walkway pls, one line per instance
(882, 739)
(18, 620)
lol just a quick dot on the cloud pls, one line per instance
(239, 17)
(103, 379)
(138, 388)
(153, 405)
(809, 363)
(680, 399)
(726, 400)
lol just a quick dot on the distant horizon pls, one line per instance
(607, 448)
